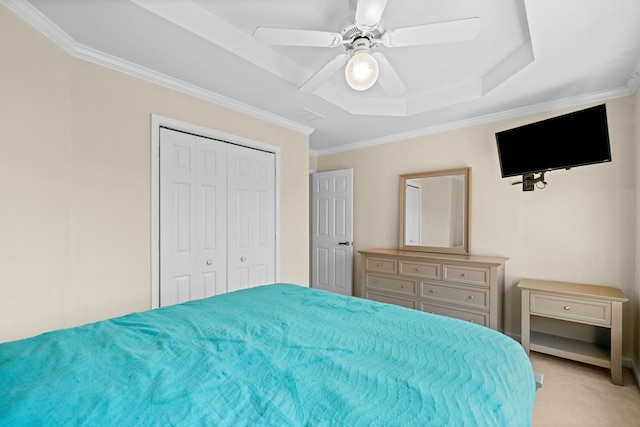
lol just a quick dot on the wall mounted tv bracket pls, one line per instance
(529, 181)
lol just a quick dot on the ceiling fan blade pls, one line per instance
(439, 32)
(287, 37)
(388, 79)
(324, 73)
(369, 13)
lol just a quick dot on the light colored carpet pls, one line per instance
(577, 394)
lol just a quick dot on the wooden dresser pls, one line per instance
(467, 287)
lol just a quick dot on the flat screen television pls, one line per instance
(563, 142)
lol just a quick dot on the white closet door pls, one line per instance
(193, 198)
(251, 217)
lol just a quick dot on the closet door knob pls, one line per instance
(243, 258)
(209, 262)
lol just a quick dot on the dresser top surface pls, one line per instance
(434, 256)
(575, 289)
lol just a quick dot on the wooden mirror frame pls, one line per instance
(464, 249)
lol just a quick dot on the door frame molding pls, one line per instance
(157, 122)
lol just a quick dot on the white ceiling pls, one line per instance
(530, 56)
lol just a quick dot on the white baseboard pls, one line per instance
(634, 369)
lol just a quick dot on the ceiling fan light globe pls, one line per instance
(361, 71)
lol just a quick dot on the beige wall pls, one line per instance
(580, 228)
(75, 184)
(313, 163)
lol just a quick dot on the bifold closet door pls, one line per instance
(251, 217)
(193, 217)
(217, 217)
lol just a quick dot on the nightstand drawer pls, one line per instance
(573, 309)
(468, 315)
(469, 275)
(425, 270)
(457, 294)
(382, 265)
(392, 284)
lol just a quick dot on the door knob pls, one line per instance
(347, 243)
(243, 258)
(209, 262)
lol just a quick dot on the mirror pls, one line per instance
(434, 211)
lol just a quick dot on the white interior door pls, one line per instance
(332, 231)
(251, 216)
(193, 261)
(413, 215)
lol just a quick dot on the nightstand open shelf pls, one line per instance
(570, 349)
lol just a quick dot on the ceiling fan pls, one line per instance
(364, 68)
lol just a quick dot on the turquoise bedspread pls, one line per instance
(276, 355)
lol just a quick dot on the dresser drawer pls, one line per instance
(425, 270)
(396, 285)
(573, 309)
(469, 275)
(390, 300)
(457, 294)
(468, 315)
(381, 265)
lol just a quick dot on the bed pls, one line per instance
(273, 355)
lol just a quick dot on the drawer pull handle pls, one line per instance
(470, 297)
(379, 264)
(464, 275)
(471, 321)
(404, 286)
(374, 281)
(433, 291)
(417, 269)
(566, 307)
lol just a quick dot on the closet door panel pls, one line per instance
(192, 217)
(251, 232)
(177, 195)
(211, 238)
(263, 240)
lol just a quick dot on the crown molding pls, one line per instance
(489, 118)
(41, 23)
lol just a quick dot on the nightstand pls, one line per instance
(574, 302)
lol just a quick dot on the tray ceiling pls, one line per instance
(529, 56)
